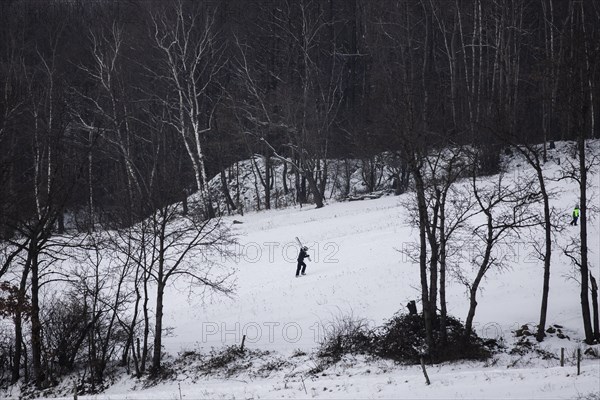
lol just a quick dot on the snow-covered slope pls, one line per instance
(358, 269)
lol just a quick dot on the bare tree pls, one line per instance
(12, 105)
(190, 58)
(184, 245)
(394, 45)
(506, 210)
(581, 107)
(130, 247)
(577, 249)
(448, 210)
(51, 184)
(534, 156)
(296, 113)
(103, 280)
(106, 111)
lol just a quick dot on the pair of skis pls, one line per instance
(300, 244)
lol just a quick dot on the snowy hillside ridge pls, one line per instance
(344, 177)
(562, 154)
(350, 177)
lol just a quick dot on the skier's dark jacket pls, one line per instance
(302, 255)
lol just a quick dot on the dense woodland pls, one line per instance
(112, 111)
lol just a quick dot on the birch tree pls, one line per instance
(48, 193)
(189, 59)
(106, 111)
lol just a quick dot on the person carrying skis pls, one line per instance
(301, 265)
(575, 216)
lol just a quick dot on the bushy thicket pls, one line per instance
(346, 335)
(6, 343)
(402, 339)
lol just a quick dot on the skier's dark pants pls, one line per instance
(574, 222)
(302, 265)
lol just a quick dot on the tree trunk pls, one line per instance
(483, 267)
(300, 188)
(471, 313)
(422, 206)
(434, 258)
(314, 189)
(61, 223)
(323, 180)
(146, 313)
(347, 177)
(36, 326)
(547, 256)
(16, 367)
(156, 358)
(267, 182)
(595, 307)
(18, 354)
(226, 193)
(184, 203)
(131, 328)
(210, 211)
(284, 179)
(585, 303)
(442, 261)
(473, 293)
(90, 177)
(257, 178)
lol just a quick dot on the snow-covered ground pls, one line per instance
(358, 269)
(461, 383)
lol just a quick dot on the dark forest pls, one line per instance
(112, 107)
